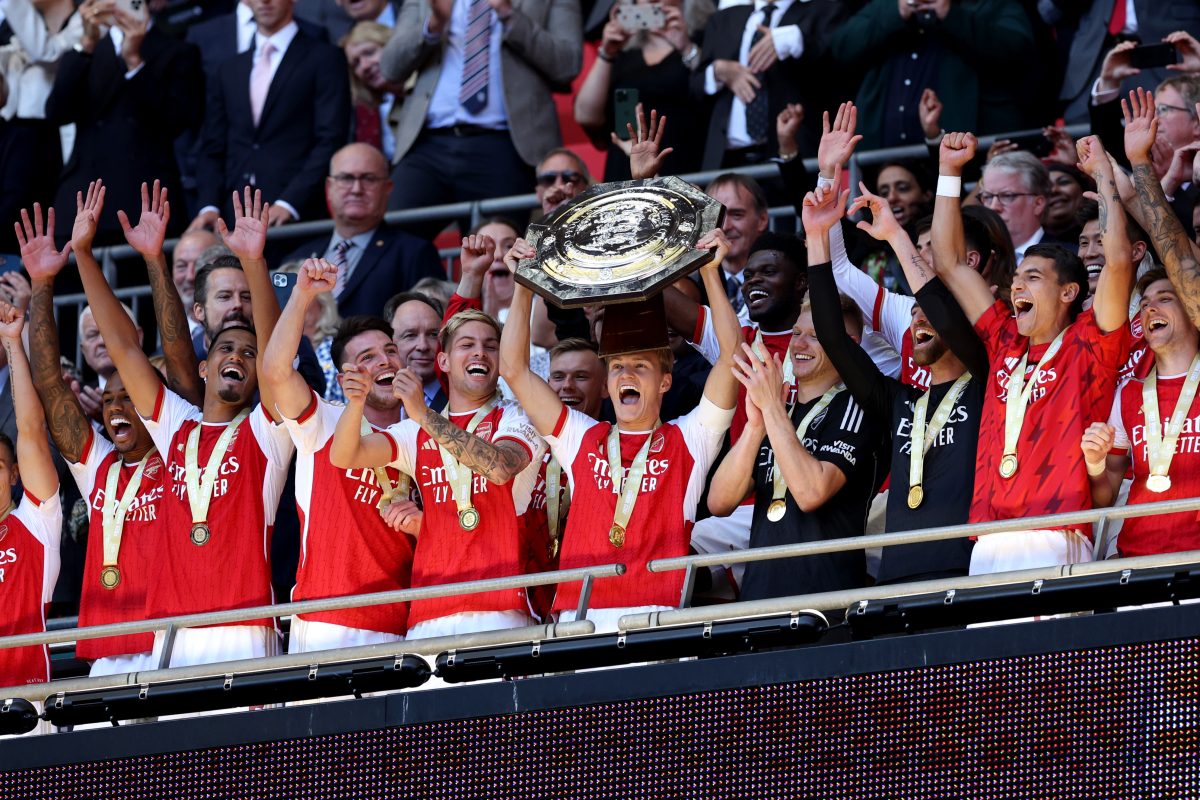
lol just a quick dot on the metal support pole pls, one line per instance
(585, 596)
(164, 658)
(689, 584)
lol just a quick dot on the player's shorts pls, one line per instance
(309, 636)
(470, 622)
(720, 535)
(1014, 550)
(119, 665)
(212, 645)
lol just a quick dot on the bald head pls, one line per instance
(185, 259)
(357, 188)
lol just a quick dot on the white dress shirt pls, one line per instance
(444, 108)
(1030, 242)
(246, 27)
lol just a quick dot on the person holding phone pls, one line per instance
(647, 65)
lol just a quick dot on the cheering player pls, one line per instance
(1052, 372)
(476, 469)
(357, 524)
(638, 481)
(30, 531)
(226, 462)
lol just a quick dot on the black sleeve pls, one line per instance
(871, 388)
(1107, 123)
(68, 99)
(797, 181)
(948, 319)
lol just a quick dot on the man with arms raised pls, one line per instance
(639, 481)
(476, 468)
(226, 461)
(356, 524)
(1052, 371)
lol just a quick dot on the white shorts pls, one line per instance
(211, 645)
(120, 665)
(720, 535)
(1014, 550)
(469, 622)
(310, 636)
(606, 619)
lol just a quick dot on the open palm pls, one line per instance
(249, 235)
(148, 236)
(1141, 126)
(38, 254)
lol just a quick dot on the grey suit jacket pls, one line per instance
(542, 51)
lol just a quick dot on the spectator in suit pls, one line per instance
(749, 77)
(375, 99)
(130, 92)
(375, 260)
(275, 116)
(745, 219)
(474, 133)
(970, 52)
(185, 259)
(1017, 187)
(416, 321)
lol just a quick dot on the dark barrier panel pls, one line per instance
(1106, 706)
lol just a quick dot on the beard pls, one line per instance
(930, 354)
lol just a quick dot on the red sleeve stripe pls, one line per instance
(87, 445)
(524, 444)
(308, 412)
(158, 403)
(562, 420)
(878, 309)
(32, 497)
(701, 316)
(395, 448)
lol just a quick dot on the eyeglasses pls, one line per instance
(1162, 109)
(1003, 198)
(344, 180)
(548, 179)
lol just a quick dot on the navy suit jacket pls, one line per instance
(392, 263)
(217, 39)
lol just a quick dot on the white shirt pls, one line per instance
(387, 17)
(1030, 242)
(246, 27)
(444, 108)
(789, 43)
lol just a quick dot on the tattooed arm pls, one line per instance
(69, 426)
(1111, 304)
(499, 462)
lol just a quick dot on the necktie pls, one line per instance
(733, 290)
(1116, 22)
(342, 263)
(473, 92)
(260, 81)
(757, 113)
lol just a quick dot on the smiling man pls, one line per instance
(416, 322)
(745, 220)
(1053, 369)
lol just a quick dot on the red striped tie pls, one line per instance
(473, 92)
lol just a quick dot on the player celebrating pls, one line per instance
(356, 525)
(639, 480)
(1053, 369)
(226, 462)
(30, 530)
(475, 467)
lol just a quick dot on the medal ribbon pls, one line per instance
(556, 505)
(760, 349)
(114, 511)
(200, 490)
(631, 486)
(458, 476)
(1161, 448)
(1017, 402)
(403, 486)
(780, 488)
(927, 435)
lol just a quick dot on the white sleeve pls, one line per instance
(707, 344)
(515, 425)
(403, 438)
(703, 429)
(1121, 437)
(852, 281)
(883, 354)
(170, 412)
(274, 439)
(711, 84)
(313, 429)
(44, 520)
(894, 318)
(84, 472)
(568, 438)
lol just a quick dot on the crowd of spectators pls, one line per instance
(276, 112)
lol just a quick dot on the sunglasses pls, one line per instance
(548, 179)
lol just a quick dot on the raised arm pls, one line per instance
(69, 426)
(33, 447)
(349, 448)
(720, 388)
(119, 333)
(1111, 303)
(247, 241)
(1179, 255)
(645, 152)
(1105, 469)
(949, 245)
(276, 373)
(883, 227)
(476, 260)
(734, 478)
(539, 401)
(183, 375)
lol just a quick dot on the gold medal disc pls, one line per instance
(1158, 483)
(200, 534)
(468, 518)
(554, 548)
(1008, 466)
(776, 510)
(110, 577)
(916, 494)
(616, 535)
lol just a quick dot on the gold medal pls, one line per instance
(776, 510)
(200, 534)
(616, 535)
(1008, 465)
(916, 494)
(110, 576)
(468, 518)
(1158, 483)
(554, 548)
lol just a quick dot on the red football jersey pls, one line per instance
(446, 553)
(891, 315)
(1140, 358)
(233, 569)
(345, 547)
(29, 538)
(1073, 390)
(680, 455)
(1162, 533)
(139, 554)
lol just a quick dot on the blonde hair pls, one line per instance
(364, 33)
(454, 324)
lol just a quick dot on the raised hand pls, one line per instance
(674, 28)
(147, 238)
(520, 251)
(930, 110)
(1096, 444)
(787, 125)
(1189, 51)
(763, 55)
(1092, 158)
(614, 37)
(883, 225)
(837, 140)
(356, 383)
(714, 238)
(250, 222)
(823, 208)
(763, 378)
(1141, 125)
(410, 389)
(999, 148)
(87, 216)
(645, 158)
(1182, 168)
(1116, 67)
(15, 289)
(41, 259)
(1063, 146)
(12, 320)
(956, 151)
(477, 254)
(316, 276)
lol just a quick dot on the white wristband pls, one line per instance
(949, 186)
